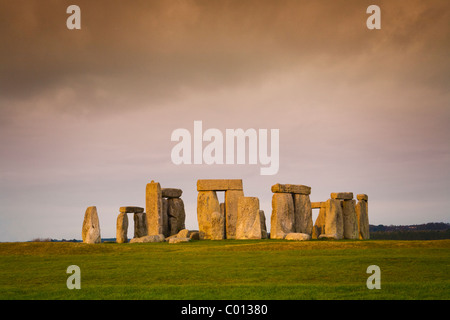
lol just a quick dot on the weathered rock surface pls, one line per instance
(176, 215)
(165, 217)
(319, 225)
(342, 195)
(207, 203)
(316, 205)
(350, 219)
(153, 208)
(327, 236)
(171, 192)
(140, 224)
(334, 223)
(291, 188)
(248, 223)
(90, 232)
(150, 238)
(297, 236)
(219, 184)
(179, 240)
(231, 211)
(262, 219)
(122, 228)
(130, 209)
(302, 214)
(362, 216)
(217, 226)
(282, 219)
(362, 197)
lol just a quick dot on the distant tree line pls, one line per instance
(427, 231)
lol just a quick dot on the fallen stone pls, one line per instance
(184, 233)
(342, 195)
(282, 219)
(291, 188)
(248, 223)
(194, 235)
(122, 228)
(298, 236)
(150, 238)
(140, 224)
(219, 184)
(179, 240)
(130, 209)
(362, 197)
(350, 219)
(90, 232)
(207, 203)
(302, 214)
(153, 208)
(231, 211)
(171, 192)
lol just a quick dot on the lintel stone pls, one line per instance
(291, 188)
(130, 209)
(342, 195)
(219, 184)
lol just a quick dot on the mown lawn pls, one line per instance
(228, 269)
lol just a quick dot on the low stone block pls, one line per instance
(131, 209)
(297, 236)
(179, 240)
(194, 235)
(219, 184)
(342, 195)
(150, 238)
(291, 188)
(171, 192)
(326, 236)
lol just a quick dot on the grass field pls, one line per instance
(228, 269)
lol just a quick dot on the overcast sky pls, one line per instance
(86, 115)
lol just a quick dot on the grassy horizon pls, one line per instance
(227, 269)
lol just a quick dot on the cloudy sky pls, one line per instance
(86, 115)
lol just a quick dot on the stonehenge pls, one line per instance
(238, 217)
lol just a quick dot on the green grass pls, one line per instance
(228, 269)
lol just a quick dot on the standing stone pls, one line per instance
(122, 228)
(350, 219)
(217, 226)
(334, 224)
(362, 216)
(248, 223)
(302, 214)
(282, 219)
(262, 219)
(90, 232)
(153, 208)
(319, 226)
(165, 217)
(140, 224)
(207, 203)
(231, 211)
(176, 215)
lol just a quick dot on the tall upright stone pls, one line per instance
(334, 223)
(362, 216)
(122, 228)
(262, 219)
(248, 223)
(153, 208)
(140, 224)
(231, 211)
(207, 203)
(282, 220)
(319, 225)
(350, 219)
(165, 217)
(217, 226)
(90, 232)
(176, 215)
(302, 213)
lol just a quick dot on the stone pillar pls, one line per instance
(176, 215)
(262, 219)
(282, 220)
(231, 211)
(217, 226)
(319, 225)
(153, 208)
(165, 217)
(362, 216)
(334, 224)
(248, 223)
(122, 228)
(350, 219)
(207, 203)
(90, 232)
(140, 224)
